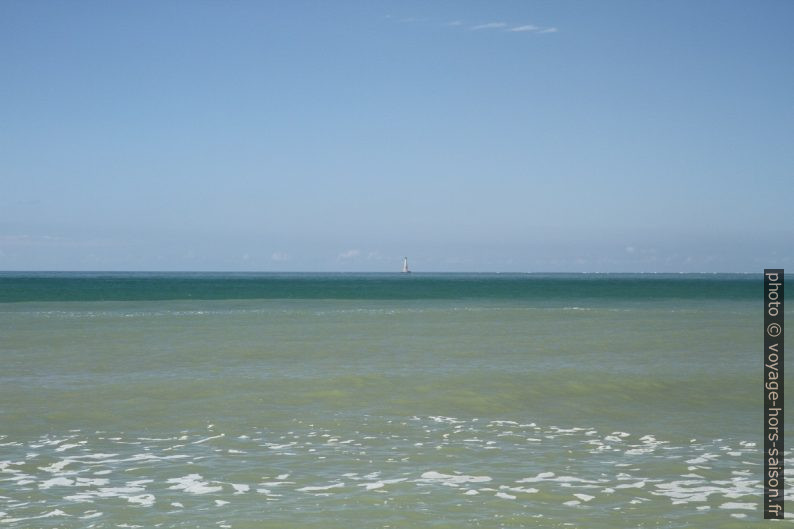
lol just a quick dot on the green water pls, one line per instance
(380, 401)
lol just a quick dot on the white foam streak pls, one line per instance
(193, 484)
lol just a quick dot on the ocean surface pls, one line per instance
(380, 400)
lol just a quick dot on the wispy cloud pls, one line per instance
(496, 26)
(349, 254)
(533, 29)
(527, 27)
(490, 25)
(279, 256)
(524, 28)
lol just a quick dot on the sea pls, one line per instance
(276, 400)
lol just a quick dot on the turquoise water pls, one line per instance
(297, 400)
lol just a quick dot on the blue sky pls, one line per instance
(470, 136)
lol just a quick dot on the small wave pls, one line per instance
(444, 457)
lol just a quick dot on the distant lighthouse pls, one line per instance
(405, 266)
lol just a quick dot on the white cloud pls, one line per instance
(490, 25)
(349, 254)
(503, 26)
(279, 256)
(527, 27)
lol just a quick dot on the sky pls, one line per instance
(504, 136)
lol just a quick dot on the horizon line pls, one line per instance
(52, 271)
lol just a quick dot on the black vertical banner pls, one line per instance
(773, 394)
